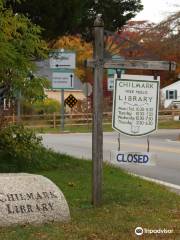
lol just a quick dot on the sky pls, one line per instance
(157, 10)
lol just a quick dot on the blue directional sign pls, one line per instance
(62, 65)
(62, 80)
(62, 60)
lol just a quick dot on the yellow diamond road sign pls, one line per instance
(71, 101)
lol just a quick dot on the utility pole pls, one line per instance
(97, 133)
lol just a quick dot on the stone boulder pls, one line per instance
(30, 199)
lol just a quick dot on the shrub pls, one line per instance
(46, 106)
(21, 150)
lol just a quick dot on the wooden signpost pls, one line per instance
(99, 63)
(97, 134)
(135, 64)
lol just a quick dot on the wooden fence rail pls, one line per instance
(54, 120)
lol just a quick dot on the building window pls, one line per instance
(171, 94)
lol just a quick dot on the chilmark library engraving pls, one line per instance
(30, 199)
(18, 203)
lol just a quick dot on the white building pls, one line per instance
(170, 95)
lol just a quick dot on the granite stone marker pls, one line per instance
(28, 198)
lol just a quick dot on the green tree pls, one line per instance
(59, 17)
(20, 44)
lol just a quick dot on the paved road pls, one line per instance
(163, 143)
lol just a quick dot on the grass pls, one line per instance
(169, 125)
(74, 129)
(128, 202)
(106, 128)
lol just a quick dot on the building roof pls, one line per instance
(172, 86)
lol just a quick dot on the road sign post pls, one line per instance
(62, 64)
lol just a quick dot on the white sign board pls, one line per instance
(87, 89)
(62, 80)
(136, 158)
(43, 69)
(63, 60)
(135, 105)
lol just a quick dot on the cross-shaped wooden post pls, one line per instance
(99, 63)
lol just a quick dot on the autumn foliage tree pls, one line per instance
(165, 39)
(146, 40)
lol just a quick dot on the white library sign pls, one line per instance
(135, 104)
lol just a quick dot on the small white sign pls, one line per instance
(62, 80)
(63, 60)
(135, 105)
(110, 83)
(136, 158)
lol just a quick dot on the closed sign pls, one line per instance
(136, 158)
